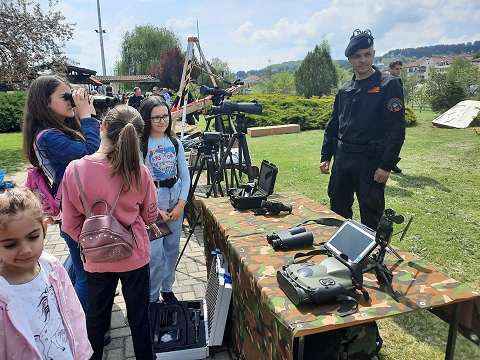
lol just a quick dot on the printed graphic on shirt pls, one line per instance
(375, 89)
(395, 104)
(52, 338)
(163, 161)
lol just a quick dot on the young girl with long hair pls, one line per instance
(40, 315)
(65, 138)
(116, 164)
(169, 170)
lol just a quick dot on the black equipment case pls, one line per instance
(179, 330)
(185, 330)
(250, 195)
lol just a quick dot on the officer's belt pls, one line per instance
(352, 148)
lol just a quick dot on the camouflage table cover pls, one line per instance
(265, 322)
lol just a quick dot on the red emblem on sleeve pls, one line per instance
(395, 104)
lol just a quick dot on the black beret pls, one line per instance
(359, 40)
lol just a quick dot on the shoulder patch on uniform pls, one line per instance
(395, 104)
(375, 89)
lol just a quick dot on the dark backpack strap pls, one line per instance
(175, 144)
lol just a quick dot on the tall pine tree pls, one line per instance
(317, 74)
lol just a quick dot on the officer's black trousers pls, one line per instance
(353, 173)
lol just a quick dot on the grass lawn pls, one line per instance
(440, 185)
(11, 156)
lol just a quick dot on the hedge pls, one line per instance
(278, 109)
(312, 113)
(11, 110)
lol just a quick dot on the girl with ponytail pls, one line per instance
(102, 174)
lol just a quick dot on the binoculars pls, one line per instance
(290, 239)
(98, 101)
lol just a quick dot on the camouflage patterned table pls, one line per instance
(265, 323)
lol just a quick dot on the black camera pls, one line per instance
(385, 226)
(274, 207)
(211, 136)
(229, 107)
(204, 90)
(98, 101)
(291, 238)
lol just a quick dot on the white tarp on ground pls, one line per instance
(460, 116)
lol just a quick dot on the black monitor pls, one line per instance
(352, 239)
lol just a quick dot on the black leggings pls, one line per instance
(136, 292)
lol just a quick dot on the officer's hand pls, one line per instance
(325, 167)
(381, 176)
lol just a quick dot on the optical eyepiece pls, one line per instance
(98, 101)
(275, 207)
(229, 107)
(204, 90)
(291, 238)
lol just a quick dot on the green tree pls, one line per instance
(444, 95)
(30, 40)
(317, 74)
(280, 83)
(343, 74)
(419, 96)
(465, 75)
(410, 84)
(143, 47)
(170, 67)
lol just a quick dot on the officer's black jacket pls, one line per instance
(368, 111)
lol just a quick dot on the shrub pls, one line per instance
(312, 113)
(410, 116)
(11, 110)
(279, 109)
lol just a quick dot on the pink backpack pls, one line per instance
(39, 183)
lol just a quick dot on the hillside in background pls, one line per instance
(406, 55)
(435, 50)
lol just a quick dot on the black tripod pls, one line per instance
(382, 237)
(242, 150)
(240, 138)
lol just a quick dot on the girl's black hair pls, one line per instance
(145, 110)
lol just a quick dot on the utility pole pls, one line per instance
(100, 31)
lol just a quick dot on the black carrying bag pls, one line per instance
(251, 194)
(357, 342)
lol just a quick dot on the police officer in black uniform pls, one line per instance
(365, 134)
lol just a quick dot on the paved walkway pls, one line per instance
(190, 284)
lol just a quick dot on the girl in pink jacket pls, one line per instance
(40, 314)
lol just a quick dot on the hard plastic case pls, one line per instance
(185, 330)
(266, 182)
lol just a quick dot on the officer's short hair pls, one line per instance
(108, 89)
(395, 63)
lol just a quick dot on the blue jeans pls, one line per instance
(164, 251)
(80, 277)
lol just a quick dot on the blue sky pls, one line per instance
(248, 34)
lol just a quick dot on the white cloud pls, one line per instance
(247, 34)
